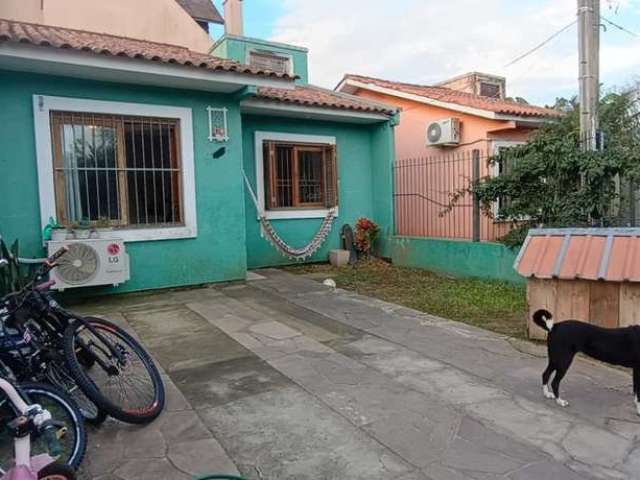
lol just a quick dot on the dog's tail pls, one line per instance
(543, 319)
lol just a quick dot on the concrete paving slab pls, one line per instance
(170, 322)
(292, 380)
(545, 471)
(288, 434)
(195, 457)
(274, 330)
(318, 327)
(219, 383)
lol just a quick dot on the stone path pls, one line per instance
(282, 378)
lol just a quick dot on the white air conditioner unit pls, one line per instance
(90, 262)
(444, 133)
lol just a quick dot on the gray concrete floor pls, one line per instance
(281, 378)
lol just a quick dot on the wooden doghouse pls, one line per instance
(588, 274)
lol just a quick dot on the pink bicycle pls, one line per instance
(33, 420)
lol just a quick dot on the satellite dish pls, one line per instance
(79, 265)
(434, 132)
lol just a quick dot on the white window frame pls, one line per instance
(495, 168)
(43, 105)
(260, 138)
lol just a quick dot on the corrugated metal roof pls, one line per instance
(611, 254)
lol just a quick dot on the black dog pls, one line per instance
(617, 346)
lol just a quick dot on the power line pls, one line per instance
(620, 27)
(540, 45)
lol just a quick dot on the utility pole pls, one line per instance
(589, 47)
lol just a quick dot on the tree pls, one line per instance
(552, 182)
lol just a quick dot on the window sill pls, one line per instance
(298, 214)
(133, 234)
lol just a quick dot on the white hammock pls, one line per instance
(267, 230)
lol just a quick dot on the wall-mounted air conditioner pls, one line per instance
(444, 133)
(90, 262)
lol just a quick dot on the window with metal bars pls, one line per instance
(300, 175)
(116, 170)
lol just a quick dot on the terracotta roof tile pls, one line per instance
(110, 45)
(449, 95)
(201, 10)
(588, 254)
(319, 97)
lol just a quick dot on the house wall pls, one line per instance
(238, 48)
(364, 153)
(218, 253)
(411, 134)
(435, 173)
(161, 21)
(492, 261)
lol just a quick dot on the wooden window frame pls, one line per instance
(44, 104)
(270, 181)
(122, 167)
(262, 179)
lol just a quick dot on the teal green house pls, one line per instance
(185, 157)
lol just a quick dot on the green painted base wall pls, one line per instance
(365, 153)
(457, 258)
(217, 254)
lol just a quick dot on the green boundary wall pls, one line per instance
(458, 258)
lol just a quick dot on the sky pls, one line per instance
(427, 41)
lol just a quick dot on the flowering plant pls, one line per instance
(366, 234)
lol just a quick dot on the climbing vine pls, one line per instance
(552, 182)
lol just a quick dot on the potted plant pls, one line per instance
(366, 235)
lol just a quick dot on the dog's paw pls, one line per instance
(547, 393)
(561, 402)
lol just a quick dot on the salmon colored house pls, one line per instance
(439, 128)
(486, 122)
(177, 22)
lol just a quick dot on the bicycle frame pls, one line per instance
(26, 467)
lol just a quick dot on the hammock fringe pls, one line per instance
(268, 231)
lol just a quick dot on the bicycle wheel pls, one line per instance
(125, 384)
(59, 376)
(63, 409)
(56, 471)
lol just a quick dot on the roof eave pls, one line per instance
(259, 106)
(217, 21)
(348, 85)
(72, 63)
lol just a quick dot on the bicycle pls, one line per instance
(31, 421)
(73, 440)
(25, 357)
(107, 364)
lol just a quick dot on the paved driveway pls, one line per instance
(281, 378)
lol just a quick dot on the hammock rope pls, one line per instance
(267, 231)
